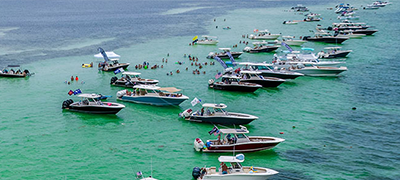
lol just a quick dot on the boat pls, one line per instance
(361, 31)
(348, 17)
(307, 55)
(236, 140)
(256, 77)
(90, 103)
(309, 69)
(350, 34)
(216, 114)
(322, 36)
(289, 40)
(261, 47)
(268, 70)
(14, 71)
(300, 8)
(290, 22)
(152, 95)
(140, 176)
(110, 64)
(347, 25)
(263, 35)
(333, 52)
(208, 40)
(235, 172)
(129, 79)
(231, 82)
(223, 54)
(310, 17)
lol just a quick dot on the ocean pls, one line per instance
(325, 137)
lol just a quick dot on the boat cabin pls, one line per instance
(230, 79)
(131, 75)
(211, 109)
(235, 162)
(142, 90)
(251, 75)
(88, 99)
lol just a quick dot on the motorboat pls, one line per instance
(152, 95)
(216, 114)
(312, 17)
(307, 55)
(333, 52)
(361, 31)
(322, 36)
(261, 47)
(236, 140)
(231, 82)
(264, 35)
(208, 40)
(347, 25)
(110, 64)
(223, 54)
(300, 8)
(350, 34)
(235, 172)
(348, 17)
(140, 176)
(268, 70)
(256, 77)
(290, 22)
(129, 79)
(90, 103)
(289, 40)
(14, 71)
(309, 69)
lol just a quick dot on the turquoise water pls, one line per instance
(325, 138)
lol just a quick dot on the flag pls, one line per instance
(103, 53)
(70, 92)
(231, 57)
(78, 91)
(195, 39)
(220, 61)
(214, 131)
(139, 173)
(195, 101)
(287, 46)
(218, 75)
(118, 71)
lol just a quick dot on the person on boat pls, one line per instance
(224, 168)
(202, 111)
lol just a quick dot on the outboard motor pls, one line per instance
(196, 172)
(113, 79)
(66, 103)
(329, 28)
(26, 71)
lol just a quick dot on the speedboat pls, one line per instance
(289, 40)
(333, 52)
(268, 70)
(236, 140)
(223, 54)
(216, 114)
(152, 95)
(342, 17)
(261, 47)
(347, 25)
(256, 77)
(322, 36)
(300, 8)
(290, 22)
(235, 172)
(307, 55)
(90, 103)
(14, 71)
(312, 17)
(208, 40)
(129, 79)
(230, 82)
(264, 35)
(309, 69)
(110, 64)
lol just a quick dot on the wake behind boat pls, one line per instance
(216, 114)
(235, 140)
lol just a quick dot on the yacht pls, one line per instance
(216, 114)
(152, 95)
(264, 35)
(223, 54)
(256, 77)
(129, 79)
(310, 69)
(236, 140)
(307, 55)
(322, 36)
(235, 172)
(90, 103)
(208, 40)
(231, 82)
(14, 71)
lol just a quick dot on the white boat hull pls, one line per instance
(207, 42)
(321, 72)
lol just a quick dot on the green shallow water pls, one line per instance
(325, 138)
